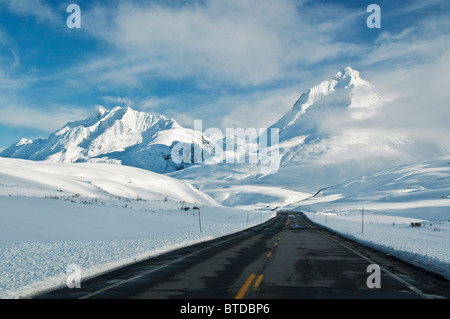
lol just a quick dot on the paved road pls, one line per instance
(285, 258)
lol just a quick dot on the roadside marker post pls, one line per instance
(362, 221)
(199, 218)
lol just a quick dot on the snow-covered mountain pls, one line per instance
(121, 135)
(346, 94)
(335, 131)
(327, 121)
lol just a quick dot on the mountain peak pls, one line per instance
(348, 78)
(345, 90)
(24, 141)
(351, 72)
(101, 110)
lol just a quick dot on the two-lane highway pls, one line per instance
(288, 257)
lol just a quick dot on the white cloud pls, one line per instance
(118, 101)
(418, 43)
(236, 42)
(258, 110)
(38, 9)
(10, 63)
(421, 108)
(46, 119)
(150, 103)
(147, 103)
(183, 119)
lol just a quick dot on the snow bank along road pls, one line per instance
(285, 258)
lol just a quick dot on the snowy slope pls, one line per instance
(122, 136)
(99, 217)
(92, 180)
(420, 184)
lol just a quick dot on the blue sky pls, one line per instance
(231, 63)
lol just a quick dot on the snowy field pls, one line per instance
(392, 200)
(99, 217)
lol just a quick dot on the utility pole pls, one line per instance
(199, 218)
(362, 221)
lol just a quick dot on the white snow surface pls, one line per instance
(96, 180)
(99, 217)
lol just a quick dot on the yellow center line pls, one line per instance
(258, 281)
(245, 287)
(243, 290)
